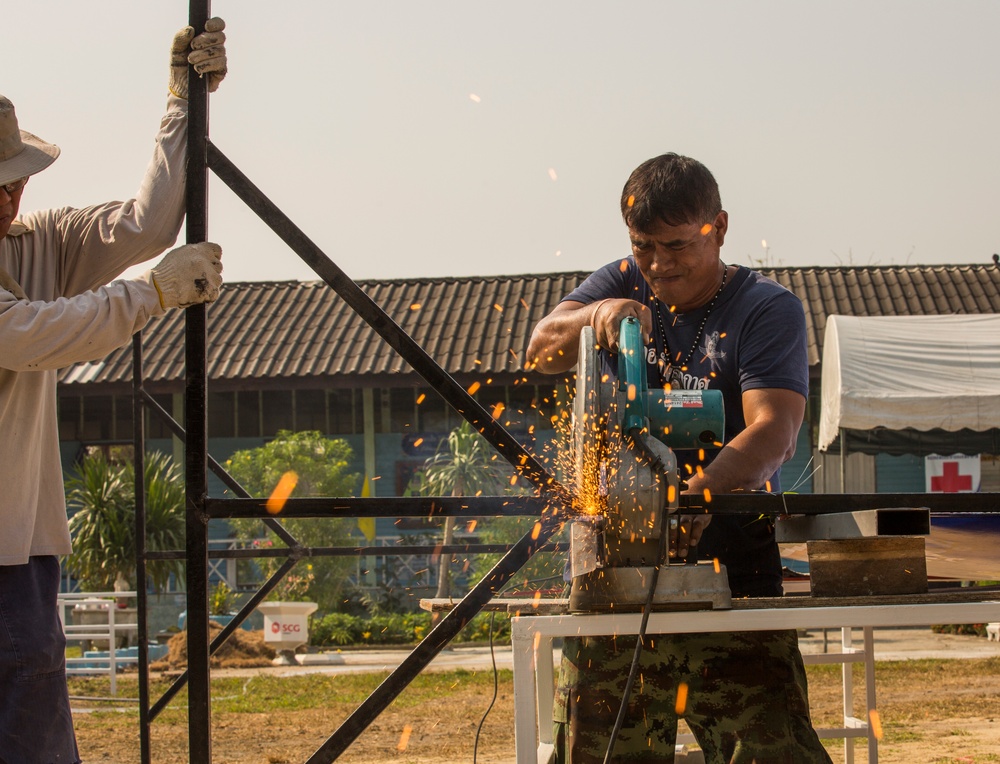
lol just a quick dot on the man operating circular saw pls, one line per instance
(705, 325)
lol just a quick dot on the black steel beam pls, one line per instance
(384, 506)
(356, 551)
(142, 603)
(535, 506)
(196, 422)
(828, 503)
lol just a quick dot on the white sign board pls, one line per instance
(957, 473)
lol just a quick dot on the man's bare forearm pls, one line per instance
(555, 341)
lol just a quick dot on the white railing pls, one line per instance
(108, 622)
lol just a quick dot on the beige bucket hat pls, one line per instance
(21, 153)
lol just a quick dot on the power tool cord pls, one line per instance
(638, 439)
(493, 658)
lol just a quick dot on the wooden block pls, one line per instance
(867, 566)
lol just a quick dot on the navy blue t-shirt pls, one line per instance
(754, 338)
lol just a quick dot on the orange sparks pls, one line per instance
(404, 738)
(471, 525)
(513, 479)
(536, 531)
(498, 307)
(708, 494)
(523, 303)
(474, 98)
(706, 229)
(536, 600)
(552, 173)
(281, 492)
(716, 565)
(876, 723)
(473, 388)
(631, 392)
(498, 410)
(416, 306)
(420, 398)
(631, 200)
(623, 266)
(680, 705)
(417, 442)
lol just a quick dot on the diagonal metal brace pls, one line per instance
(457, 396)
(446, 629)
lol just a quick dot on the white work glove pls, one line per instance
(188, 275)
(206, 53)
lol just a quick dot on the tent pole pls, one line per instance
(843, 461)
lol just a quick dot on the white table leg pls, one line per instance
(522, 637)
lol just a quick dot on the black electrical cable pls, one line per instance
(661, 558)
(496, 685)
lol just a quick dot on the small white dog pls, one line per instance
(993, 631)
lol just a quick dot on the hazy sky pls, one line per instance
(471, 138)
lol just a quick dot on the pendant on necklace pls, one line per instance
(674, 377)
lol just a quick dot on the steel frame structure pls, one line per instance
(552, 507)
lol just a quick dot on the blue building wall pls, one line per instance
(899, 474)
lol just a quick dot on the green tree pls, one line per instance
(101, 500)
(464, 465)
(320, 465)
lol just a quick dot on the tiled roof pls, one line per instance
(302, 331)
(296, 330)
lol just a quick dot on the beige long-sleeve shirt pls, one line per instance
(63, 260)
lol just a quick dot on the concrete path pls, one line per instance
(890, 644)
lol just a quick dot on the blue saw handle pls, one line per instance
(632, 373)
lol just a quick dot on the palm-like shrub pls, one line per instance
(464, 465)
(101, 501)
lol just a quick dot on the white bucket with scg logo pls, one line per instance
(286, 624)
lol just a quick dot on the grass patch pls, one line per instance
(265, 693)
(901, 735)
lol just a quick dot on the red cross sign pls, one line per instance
(952, 474)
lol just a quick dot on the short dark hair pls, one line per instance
(670, 188)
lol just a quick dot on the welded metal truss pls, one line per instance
(551, 507)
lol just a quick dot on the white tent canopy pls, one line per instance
(917, 372)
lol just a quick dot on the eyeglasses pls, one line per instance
(14, 186)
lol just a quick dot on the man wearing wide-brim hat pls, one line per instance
(58, 308)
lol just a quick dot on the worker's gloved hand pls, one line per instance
(188, 275)
(205, 52)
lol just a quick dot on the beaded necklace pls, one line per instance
(673, 375)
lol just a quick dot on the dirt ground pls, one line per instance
(931, 712)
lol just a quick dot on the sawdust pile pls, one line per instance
(243, 649)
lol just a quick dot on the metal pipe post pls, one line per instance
(196, 423)
(142, 603)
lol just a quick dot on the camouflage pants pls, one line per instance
(746, 699)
